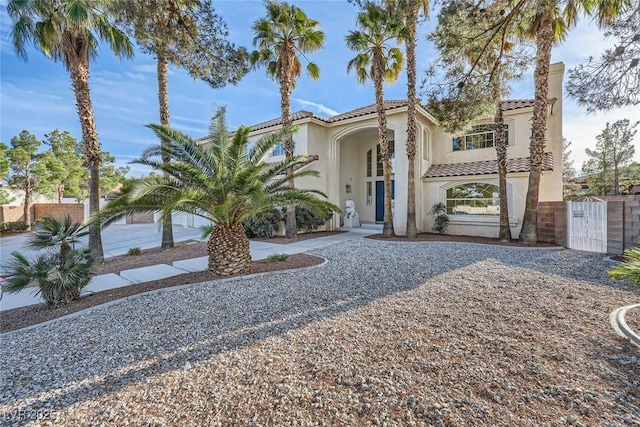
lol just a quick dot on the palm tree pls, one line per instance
(410, 11)
(70, 31)
(225, 182)
(551, 21)
(171, 30)
(282, 37)
(378, 60)
(60, 277)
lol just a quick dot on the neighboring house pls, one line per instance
(460, 171)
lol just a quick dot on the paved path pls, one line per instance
(118, 239)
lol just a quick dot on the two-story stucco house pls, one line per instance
(460, 171)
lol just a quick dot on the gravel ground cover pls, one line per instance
(386, 333)
(632, 318)
(22, 317)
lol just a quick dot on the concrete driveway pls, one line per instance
(116, 239)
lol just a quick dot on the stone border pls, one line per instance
(620, 326)
(170, 289)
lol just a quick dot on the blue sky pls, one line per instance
(36, 95)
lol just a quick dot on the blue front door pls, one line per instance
(380, 199)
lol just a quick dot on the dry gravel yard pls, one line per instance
(386, 333)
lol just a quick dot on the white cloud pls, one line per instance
(318, 107)
(135, 76)
(146, 68)
(190, 120)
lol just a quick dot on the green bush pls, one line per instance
(59, 276)
(13, 226)
(630, 268)
(134, 251)
(263, 224)
(441, 219)
(277, 258)
(307, 220)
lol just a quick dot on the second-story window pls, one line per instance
(481, 136)
(392, 158)
(278, 150)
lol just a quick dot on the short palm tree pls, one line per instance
(224, 181)
(61, 272)
(51, 233)
(71, 31)
(282, 37)
(377, 59)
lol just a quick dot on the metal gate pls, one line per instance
(587, 226)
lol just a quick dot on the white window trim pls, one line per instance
(490, 220)
(510, 135)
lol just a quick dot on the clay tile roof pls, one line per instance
(488, 167)
(298, 115)
(514, 104)
(369, 109)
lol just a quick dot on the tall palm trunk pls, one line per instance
(378, 76)
(411, 122)
(80, 81)
(544, 41)
(501, 153)
(291, 228)
(228, 250)
(60, 192)
(163, 102)
(27, 202)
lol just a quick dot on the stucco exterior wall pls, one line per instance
(434, 189)
(342, 147)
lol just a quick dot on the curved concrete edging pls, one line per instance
(620, 325)
(170, 289)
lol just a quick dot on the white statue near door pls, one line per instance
(351, 216)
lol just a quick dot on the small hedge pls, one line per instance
(307, 220)
(13, 226)
(263, 224)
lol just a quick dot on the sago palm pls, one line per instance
(224, 181)
(71, 31)
(187, 34)
(379, 59)
(282, 37)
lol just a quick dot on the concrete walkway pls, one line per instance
(118, 246)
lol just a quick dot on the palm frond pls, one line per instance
(222, 180)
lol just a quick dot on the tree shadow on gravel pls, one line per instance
(191, 325)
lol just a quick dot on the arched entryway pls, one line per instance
(359, 171)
